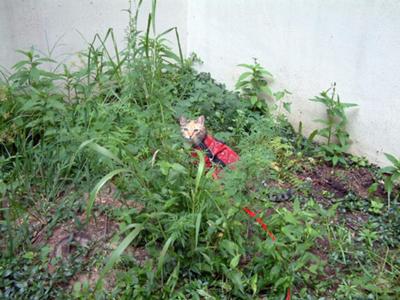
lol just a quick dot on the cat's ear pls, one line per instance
(200, 120)
(182, 120)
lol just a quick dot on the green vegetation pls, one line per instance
(393, 175)
(335, 133)
(101, 200)
(254, 87)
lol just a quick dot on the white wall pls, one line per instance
(70, 24)
(308, 45)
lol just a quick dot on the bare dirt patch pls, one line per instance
(339, 182)
(93, 235)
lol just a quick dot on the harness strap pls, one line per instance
(264, 226)
(210, 155)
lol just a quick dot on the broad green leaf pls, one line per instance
(286, 106)
(253, 100)
(389, 185)
(56, 105)
(35, 74)
(335, 160)
(288, 217)
(387, 170)
(28, 105)
(393, 159)
(104, 151)
(253, 284)
(241, 84)
(234, 261)
(178, 168)
(279, 95)
(265, 72)
(266, 89)
(246, 66)
(291, 231)
(20, 64)
(281, 282)
(373, 188)
(164, 167)
(312, 135)
(244, 76)
(395, 176)
(229, 247)
(236, 278)
(204, 294)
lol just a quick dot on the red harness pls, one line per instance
(217, 153)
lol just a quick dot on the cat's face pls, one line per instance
(193, 131)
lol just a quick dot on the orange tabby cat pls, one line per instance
(217, 153)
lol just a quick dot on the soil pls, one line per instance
(339, 181)
(65, 239)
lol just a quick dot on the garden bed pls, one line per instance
(100, 195)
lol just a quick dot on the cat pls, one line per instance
(218, 154)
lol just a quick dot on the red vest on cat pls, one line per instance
(216, 152)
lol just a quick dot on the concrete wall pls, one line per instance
(308, 45)
(70, 24)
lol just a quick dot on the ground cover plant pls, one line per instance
(100, 198)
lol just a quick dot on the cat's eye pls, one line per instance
(196, 130)
(185, 129)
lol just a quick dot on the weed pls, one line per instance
(255, 88)
(337, 138)
(393, 175)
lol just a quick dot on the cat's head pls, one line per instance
(194, 131)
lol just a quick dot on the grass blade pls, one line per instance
(105, 152)
(97, 188)
(200, 170)
(116, 254)
(179, 45)
(146, 38)
(198, 223)
(153, 14)
(173, 278)
(164, 250)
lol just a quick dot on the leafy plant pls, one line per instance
(393, 175)
(335, 133)
(254, 87)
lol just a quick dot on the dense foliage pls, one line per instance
(65, 134)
